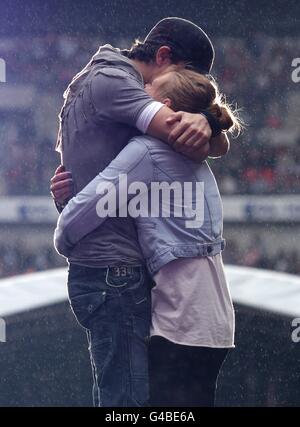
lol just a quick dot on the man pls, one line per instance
(106, 105)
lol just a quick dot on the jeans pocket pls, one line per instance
(86, 306)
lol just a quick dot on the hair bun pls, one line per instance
(222, 114)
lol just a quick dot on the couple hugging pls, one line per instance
(149, 289)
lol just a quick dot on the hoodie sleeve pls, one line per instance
(118, 96)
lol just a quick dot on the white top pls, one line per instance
(191, 303)
(146, 116)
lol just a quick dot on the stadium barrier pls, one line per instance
(45, 362)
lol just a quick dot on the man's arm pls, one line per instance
(120, 98)
(190, 136)
(187, 133)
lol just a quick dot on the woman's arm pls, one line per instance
(103, 196)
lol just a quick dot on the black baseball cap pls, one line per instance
(187, 39)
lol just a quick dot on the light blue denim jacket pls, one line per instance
(165, 236)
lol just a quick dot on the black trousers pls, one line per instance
(183, 376)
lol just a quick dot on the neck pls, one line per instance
(144, 69)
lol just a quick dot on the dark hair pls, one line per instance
(146, 52)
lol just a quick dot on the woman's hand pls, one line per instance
(61, 186)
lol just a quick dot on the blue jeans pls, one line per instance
(113, 304)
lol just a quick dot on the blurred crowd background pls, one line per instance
(254, 73)
(44, 44)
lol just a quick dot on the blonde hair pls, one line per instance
(193, 92)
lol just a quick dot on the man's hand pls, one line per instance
(187, 133)
(190, 135)
(61, 185)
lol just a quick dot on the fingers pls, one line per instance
(178, 131)
(188, 138)
(60, 169)
(61, 186)
(61, 176)
(193, 130)
(174, 117)
(189, 146)
(200, 154)
(61, 196)
(192, 139)
(66, 183)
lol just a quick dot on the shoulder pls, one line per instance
(113, 79)
(137, 145)
(133, 154)
(148, 142)
(111, 71)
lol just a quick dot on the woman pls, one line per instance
(192, 313)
